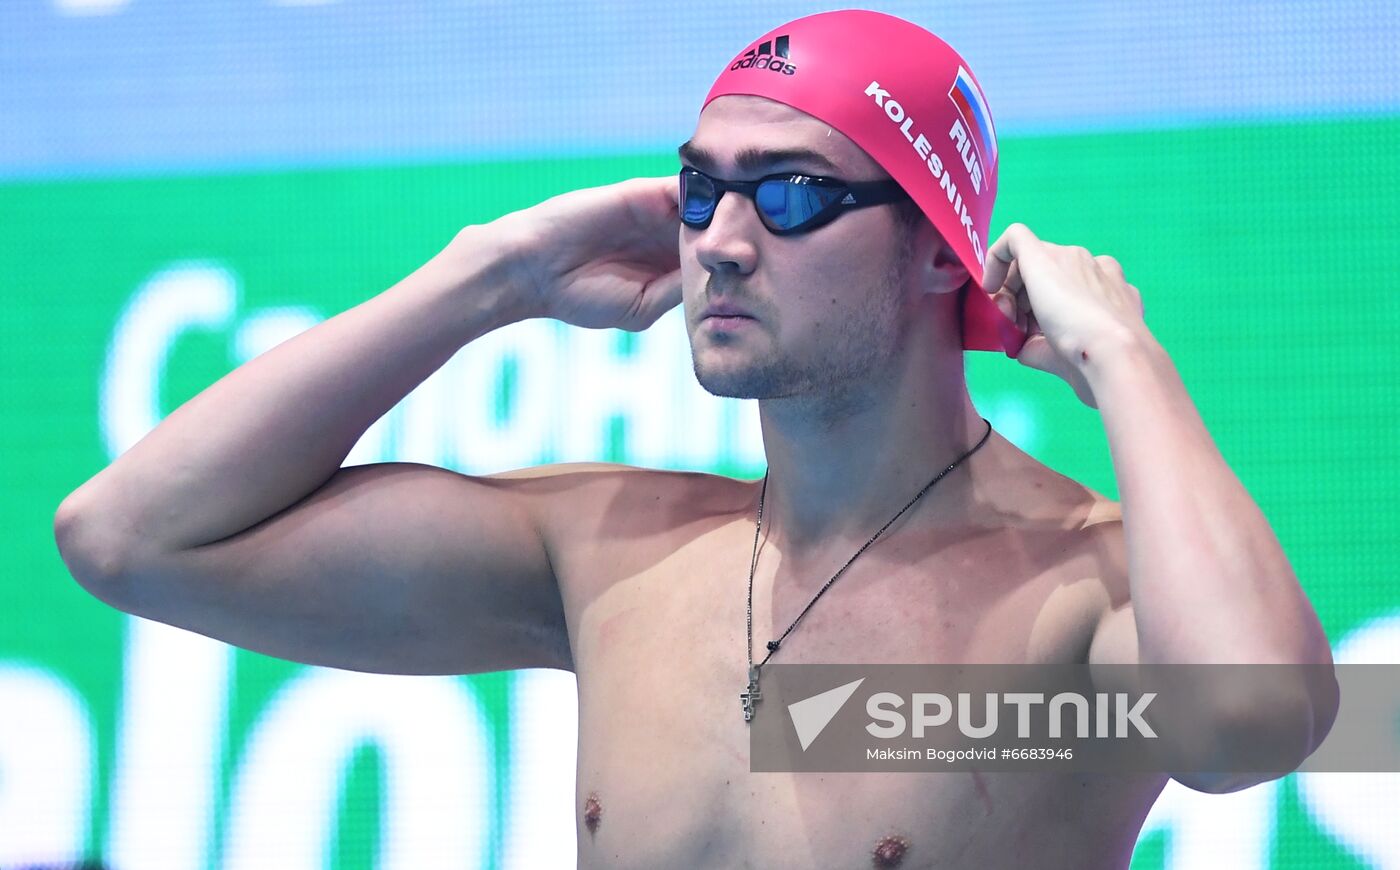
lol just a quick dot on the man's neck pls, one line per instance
(841, 474)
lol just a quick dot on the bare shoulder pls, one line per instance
(567, 487)
(595, 510)
(1076, 535)
(1027, 493)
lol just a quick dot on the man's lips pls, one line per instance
(726, 311)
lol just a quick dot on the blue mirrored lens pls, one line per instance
(787, 204)
(697, 198)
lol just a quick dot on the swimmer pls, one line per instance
(827, 237)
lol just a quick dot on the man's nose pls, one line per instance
(729, 242)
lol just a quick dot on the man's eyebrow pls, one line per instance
(751, 160)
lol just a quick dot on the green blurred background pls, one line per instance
(1264, 250)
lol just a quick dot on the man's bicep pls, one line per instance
(388, 567)
(1115, 638)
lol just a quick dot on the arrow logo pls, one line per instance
(811, 715)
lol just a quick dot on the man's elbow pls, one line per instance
(1262, 735)
(92, 555)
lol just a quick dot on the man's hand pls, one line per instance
(599, 257)
(1067, 301)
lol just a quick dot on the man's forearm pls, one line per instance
(270, 432)
(1209, 581)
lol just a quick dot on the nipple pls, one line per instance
(889, 852)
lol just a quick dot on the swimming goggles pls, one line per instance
(786, 203)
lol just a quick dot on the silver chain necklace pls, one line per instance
(751, 695)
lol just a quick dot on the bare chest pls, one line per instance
(663, 777)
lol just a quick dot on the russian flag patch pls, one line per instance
(968, 99)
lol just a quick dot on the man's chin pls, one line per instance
(724, 387)
(734, 383)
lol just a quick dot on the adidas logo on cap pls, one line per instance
(771, 54)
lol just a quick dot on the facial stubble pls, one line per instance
(836, 373)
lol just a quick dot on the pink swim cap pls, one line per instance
(908, 100)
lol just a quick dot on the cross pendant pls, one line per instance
(751, 695)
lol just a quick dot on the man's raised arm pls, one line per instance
(234, 518)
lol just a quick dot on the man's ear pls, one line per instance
(939, 269)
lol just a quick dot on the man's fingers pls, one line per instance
(1002, 276)
(1007, 247)
(1006, 303)
(1037, 354)
(658, 188)
(1003, 252)
(1016, 283)
(1012, 299)
(660, 295)
(1109, 265)
(652, 206)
